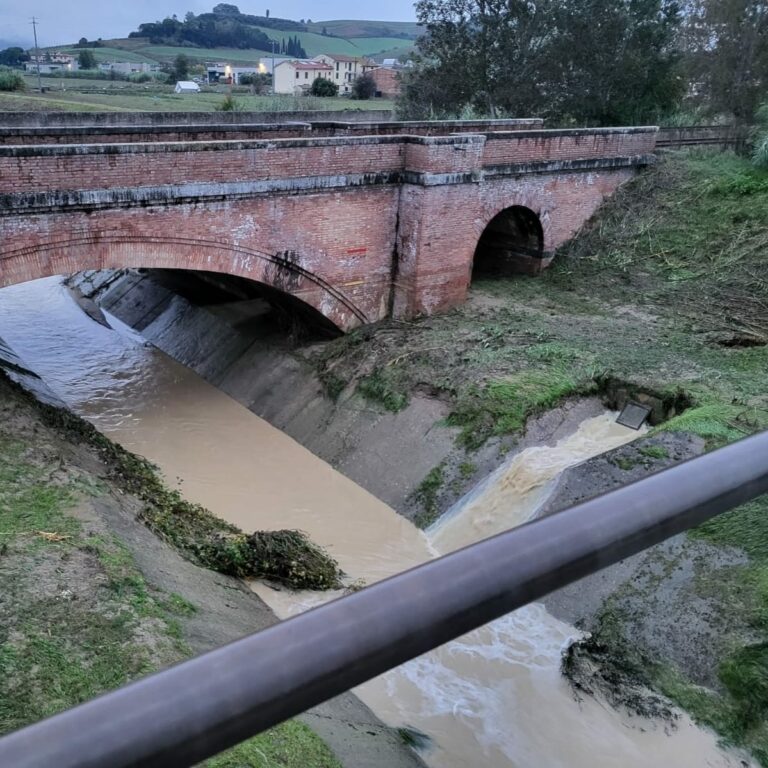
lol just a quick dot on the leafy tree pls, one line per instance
(580, 60)
(616, 62)
(225, 9)
(321, 86)
(364, 87)
(86, 59)
(82, 42)
(726, 42)
(13, 57)
(180, 67)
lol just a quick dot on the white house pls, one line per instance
(296, 77)
(186, 86)
(346, 69)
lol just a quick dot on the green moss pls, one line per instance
(626, 463)
(654, 451)
(427, 495)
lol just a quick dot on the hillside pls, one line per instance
(408, 30)
(227, 34)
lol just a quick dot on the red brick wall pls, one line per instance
(341, 241)
(387, 82)
(538, 146)
(440, 228)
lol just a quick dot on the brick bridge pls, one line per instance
(359, 221)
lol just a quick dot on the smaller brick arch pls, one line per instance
(279, 271)
(512, 242)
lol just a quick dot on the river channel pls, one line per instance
(493, 698)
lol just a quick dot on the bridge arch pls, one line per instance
(512, 242)
(280, 272)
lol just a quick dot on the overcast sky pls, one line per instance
(66, 21)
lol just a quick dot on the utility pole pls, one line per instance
(273, 67)
(37, 54)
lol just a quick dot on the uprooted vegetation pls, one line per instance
(288, 557)
(663, 294)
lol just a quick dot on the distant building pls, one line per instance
(346, 69)
(387, 82)
(226, 73)
(52, 62)
(186, 86)
(129, 67)
(296, 77)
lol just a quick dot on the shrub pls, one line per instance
(11, 81)
(364, 88)
(230, 104)
(323, 87)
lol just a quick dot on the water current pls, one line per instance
(493, 698)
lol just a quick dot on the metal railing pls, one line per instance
(185, 714)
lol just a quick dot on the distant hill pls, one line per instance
(226, 34)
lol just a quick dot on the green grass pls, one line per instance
(352, 29)
(504, 406)
(244, 56)
(654, 451)
(129, 97)
(379, 387)
(292, 745)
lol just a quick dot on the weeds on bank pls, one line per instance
(287, 556)
(502, 407)
(427, 495)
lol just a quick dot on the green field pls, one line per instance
(111, 54)
(234, 55)
(353, 29)
(315, 44)
(127, 97)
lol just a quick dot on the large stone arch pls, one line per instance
(279, 271)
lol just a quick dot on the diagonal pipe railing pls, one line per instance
(185, 714)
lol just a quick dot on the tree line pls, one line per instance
(224, 27)
(589, 61)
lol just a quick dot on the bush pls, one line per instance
(230, 104)
(323, 87)
(11, 81)
(363, 88)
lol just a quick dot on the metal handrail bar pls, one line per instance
(192, 711)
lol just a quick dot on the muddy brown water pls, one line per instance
(492, 698)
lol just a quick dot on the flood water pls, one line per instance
(493, 698)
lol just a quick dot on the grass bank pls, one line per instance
(665, 290)
(77, 616)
